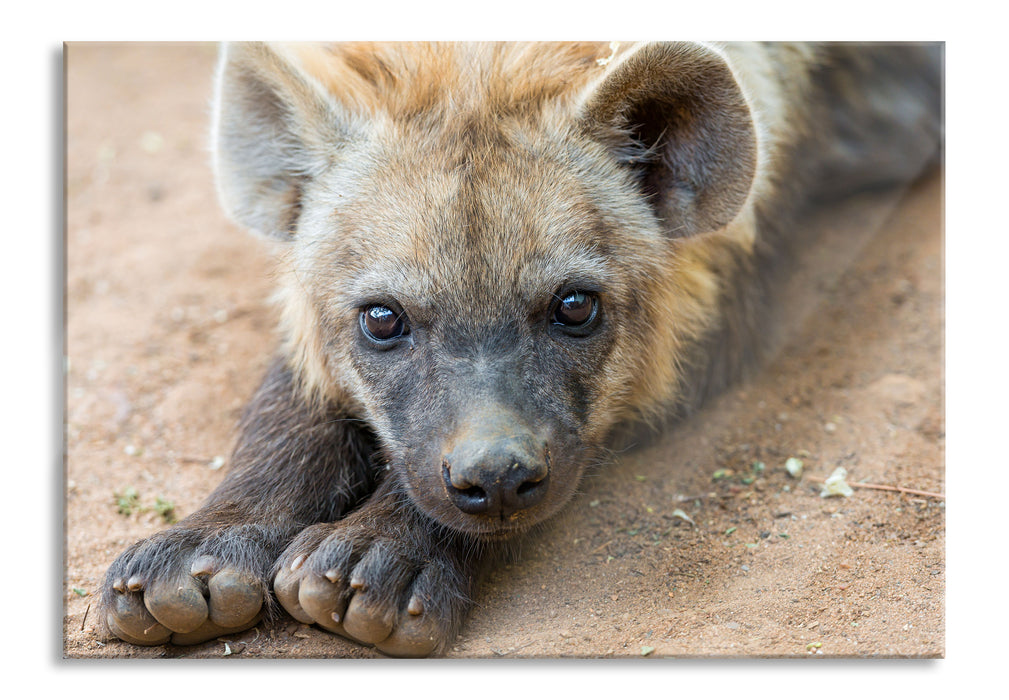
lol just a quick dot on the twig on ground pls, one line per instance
(882, 487)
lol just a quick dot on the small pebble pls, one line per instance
(835, 484)
(794, 467)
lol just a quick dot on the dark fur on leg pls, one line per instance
(294, 465)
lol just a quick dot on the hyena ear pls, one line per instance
(674, 114)
(274, 129)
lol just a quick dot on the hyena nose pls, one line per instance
(494, 479)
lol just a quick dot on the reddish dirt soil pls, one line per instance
(169, 330)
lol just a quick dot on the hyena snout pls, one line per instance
(495, 467)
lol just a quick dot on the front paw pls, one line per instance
(391, 589)
(186, 586)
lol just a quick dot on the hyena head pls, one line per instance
(488, 248)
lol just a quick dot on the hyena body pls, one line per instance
(492, 255)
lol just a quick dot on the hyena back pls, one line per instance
(492, 255)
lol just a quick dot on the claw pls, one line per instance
(136, 583)
(206, 565)
(416, 607)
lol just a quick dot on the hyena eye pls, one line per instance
(382, 324)
(576, 310)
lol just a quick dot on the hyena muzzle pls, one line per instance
(491, 257)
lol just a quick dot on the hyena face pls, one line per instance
(478, 297)
(474, 267)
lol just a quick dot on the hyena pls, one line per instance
(492, 256)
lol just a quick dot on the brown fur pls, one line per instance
(471, 190)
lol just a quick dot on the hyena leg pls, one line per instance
(385, 576)
(209, 574)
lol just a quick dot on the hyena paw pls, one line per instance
(373, 588)
(185, 587)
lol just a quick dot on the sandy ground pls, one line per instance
(169, 330)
